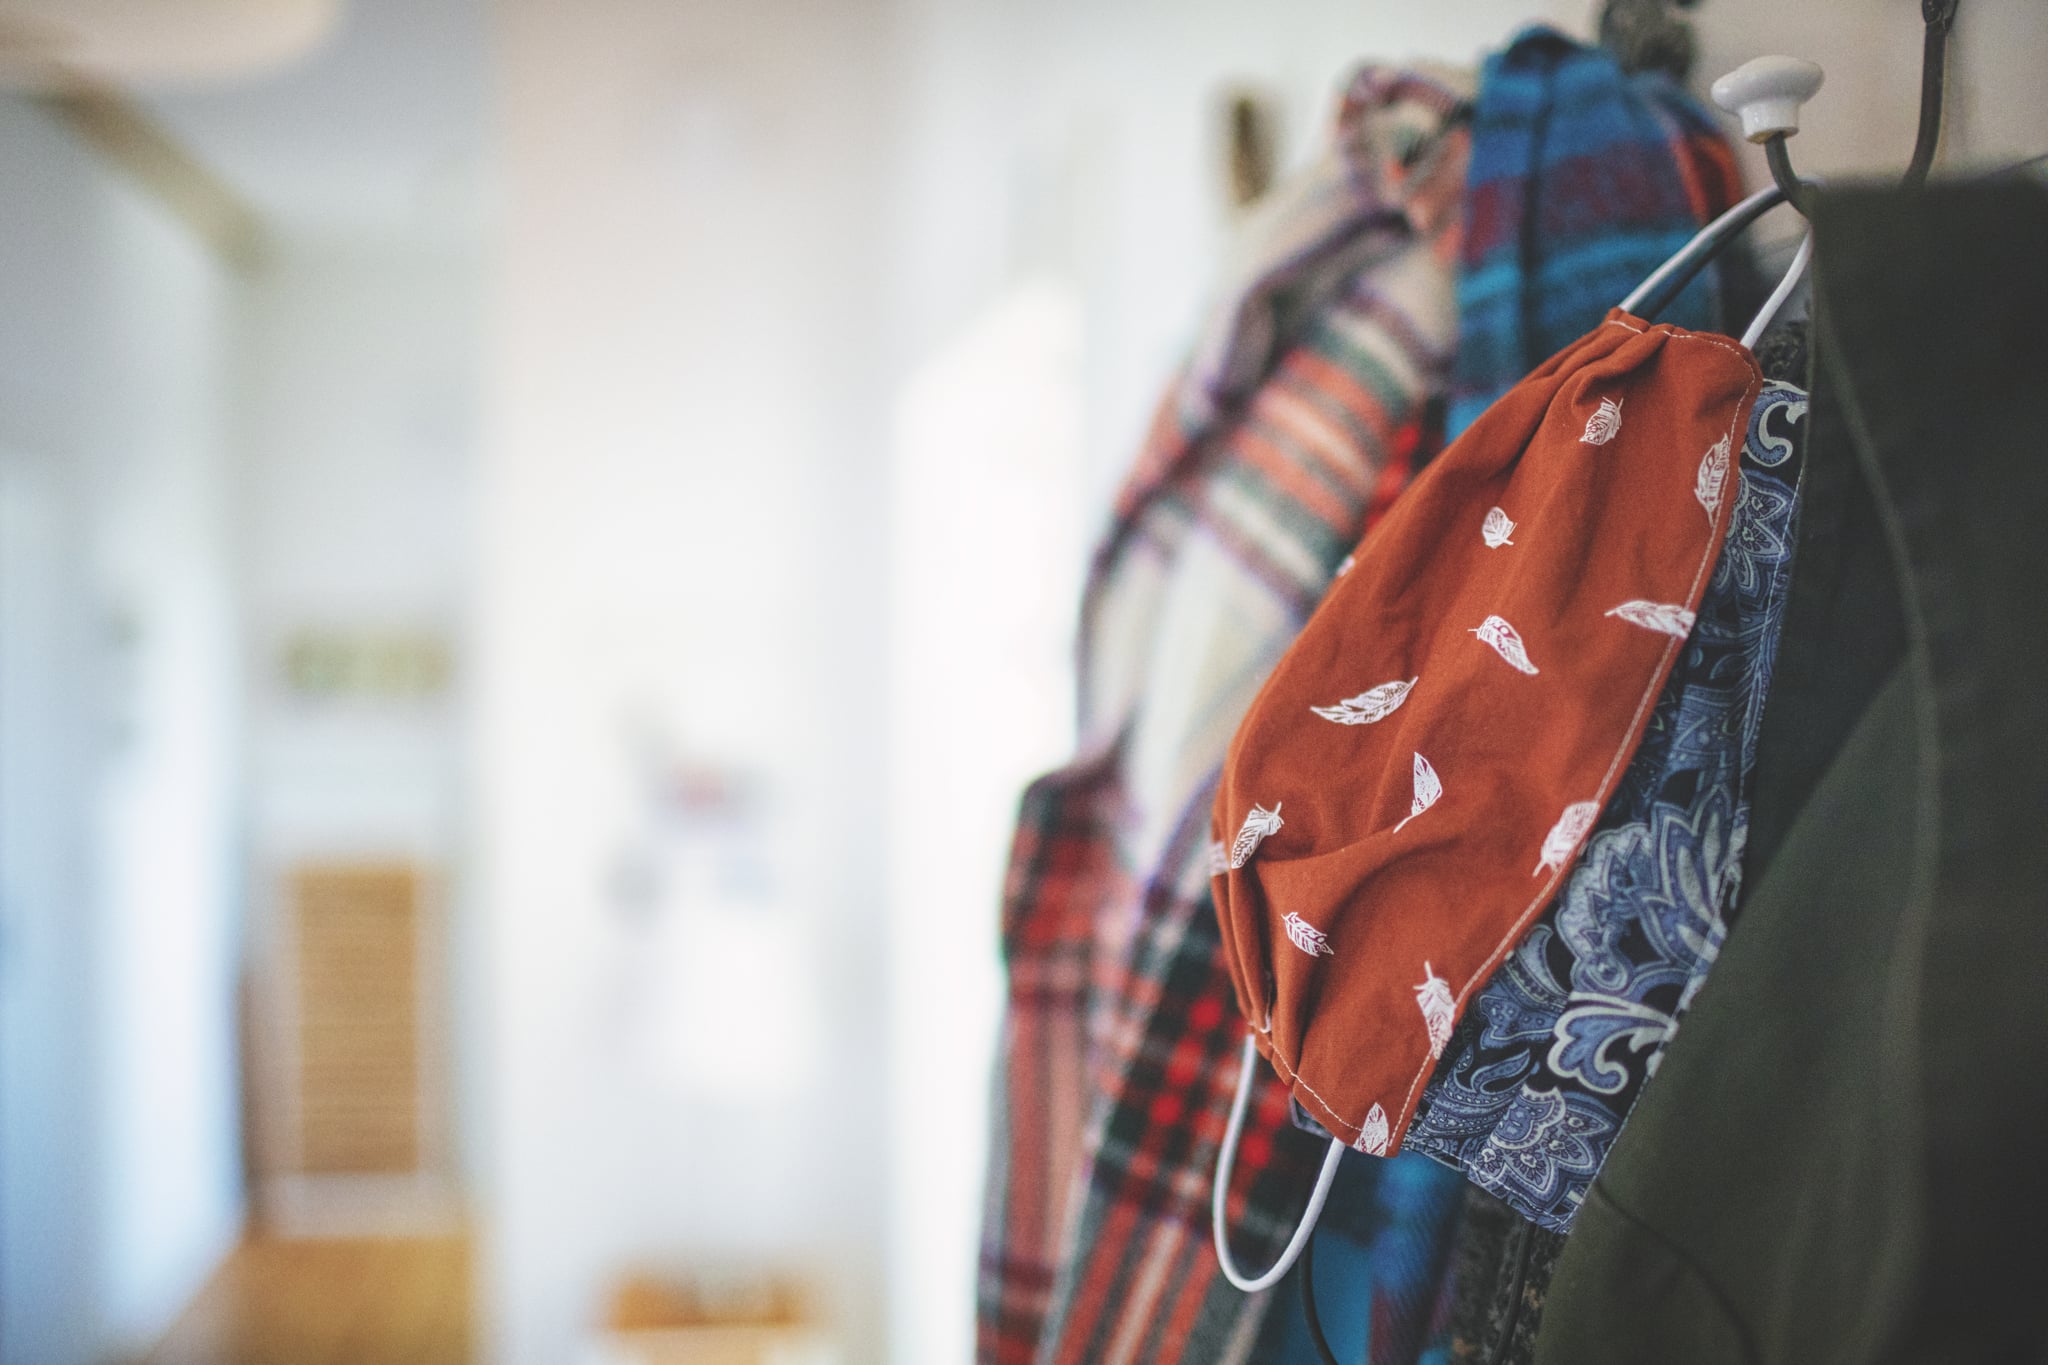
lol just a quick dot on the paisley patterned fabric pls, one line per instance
(1549, 1057)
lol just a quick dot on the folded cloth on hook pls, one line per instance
(1421, 771)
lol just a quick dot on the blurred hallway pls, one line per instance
(539, 545)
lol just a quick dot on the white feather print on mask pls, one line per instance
(1219, 858)
(1563, 839)
(1496, 529)
(1507, 642)
(1604, 425)
(1428, 790)
(1307, 937)
(1375, 703)
(1663, 617)
(1439, 1010)
(1713, 478)
(1345, 566)
(1257, 827)
(1372, 1134)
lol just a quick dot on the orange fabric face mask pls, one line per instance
(1423, 767)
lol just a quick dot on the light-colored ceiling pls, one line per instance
(380, 129)
(113, 40)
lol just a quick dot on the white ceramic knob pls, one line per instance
(1767, 93)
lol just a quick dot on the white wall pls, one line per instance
(112, 369)
(169, 813)
(682, 568)
(1863, 120)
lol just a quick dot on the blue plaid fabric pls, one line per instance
(1583, 180)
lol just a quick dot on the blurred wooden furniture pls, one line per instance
(357, 938)
(714, 1346)
(747, 1321)
(355, 1302)
(348, 1074)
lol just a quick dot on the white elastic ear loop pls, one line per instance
(1778, 296)
(1227, 1158)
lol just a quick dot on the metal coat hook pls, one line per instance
(1767, 92)
(1941, 17)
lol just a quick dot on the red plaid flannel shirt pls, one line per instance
(1119, 1047)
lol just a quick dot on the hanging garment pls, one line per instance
(1382, 1266)
(1540, 1074)
(1584, 180)
(1501, 1264)
(1839, 1160)
(1579, 171)
(1502, 1261)
(1574, 172)
(1117, 1054)
(1421, 771)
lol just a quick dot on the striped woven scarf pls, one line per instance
(1583, 180)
